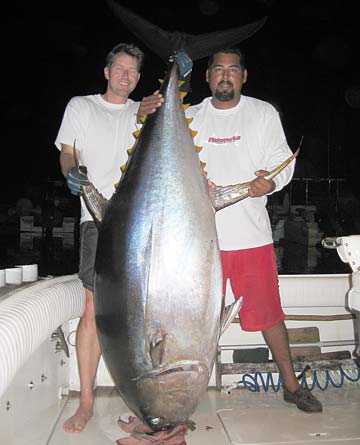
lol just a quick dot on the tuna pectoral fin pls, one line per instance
(95, 203)
(94, 200)
(222, 197)
(228, 314)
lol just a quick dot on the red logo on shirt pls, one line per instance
(224, 140)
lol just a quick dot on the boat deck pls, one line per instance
(33, 413)
(239, 418)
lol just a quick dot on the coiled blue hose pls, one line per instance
(320, 378)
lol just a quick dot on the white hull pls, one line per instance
(36, 375)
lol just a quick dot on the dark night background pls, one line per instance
(305, 61)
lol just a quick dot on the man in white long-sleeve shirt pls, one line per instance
(242, 138)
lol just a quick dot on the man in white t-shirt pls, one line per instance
(242, 137)
(101, 127)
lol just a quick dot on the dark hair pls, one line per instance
(236, 51)
(126, 48)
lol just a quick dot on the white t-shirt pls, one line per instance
(102, 132)
(237, 142)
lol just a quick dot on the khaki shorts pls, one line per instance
(253, 275)
(87, 254)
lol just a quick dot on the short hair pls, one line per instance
(126, 48)
(236, 51)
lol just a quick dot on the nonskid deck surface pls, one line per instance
(241, 418)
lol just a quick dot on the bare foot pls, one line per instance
(76, 423)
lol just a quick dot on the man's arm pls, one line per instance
(67, 161)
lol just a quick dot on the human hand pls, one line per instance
(75, 180)
(149, 105)
(261, 186)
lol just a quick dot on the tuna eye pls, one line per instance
(154, 422)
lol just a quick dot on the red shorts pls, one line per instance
(253, 275)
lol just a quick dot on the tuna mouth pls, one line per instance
(178, 368)
(169, 395)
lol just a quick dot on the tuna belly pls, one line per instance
(170, 396)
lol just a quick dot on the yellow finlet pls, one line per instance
(202, 165)
(130, 150)
(123, 168)
(193, 133)
(142, 119)
(186, 106)
(189, 120)
(161, 81)
(182, 94)
(181, 83)
(198, 148)
(136, 133)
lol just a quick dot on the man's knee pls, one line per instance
(89, 310)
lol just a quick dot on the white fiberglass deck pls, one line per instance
(240, 418)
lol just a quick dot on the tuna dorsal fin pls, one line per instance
(165, 43)
(228, 314)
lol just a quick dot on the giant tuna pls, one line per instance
(158, 281)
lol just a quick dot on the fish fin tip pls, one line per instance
(229, 313)
(76, 160)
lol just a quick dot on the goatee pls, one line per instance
(225, 95)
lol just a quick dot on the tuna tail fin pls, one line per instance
(165, 43)
(94, 200)
(228, 314)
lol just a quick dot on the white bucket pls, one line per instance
(13, 275)
(29, 272)
(2, 277)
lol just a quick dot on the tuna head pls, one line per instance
(170, 396)
(158, 281)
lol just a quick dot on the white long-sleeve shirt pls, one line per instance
(237, 142)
